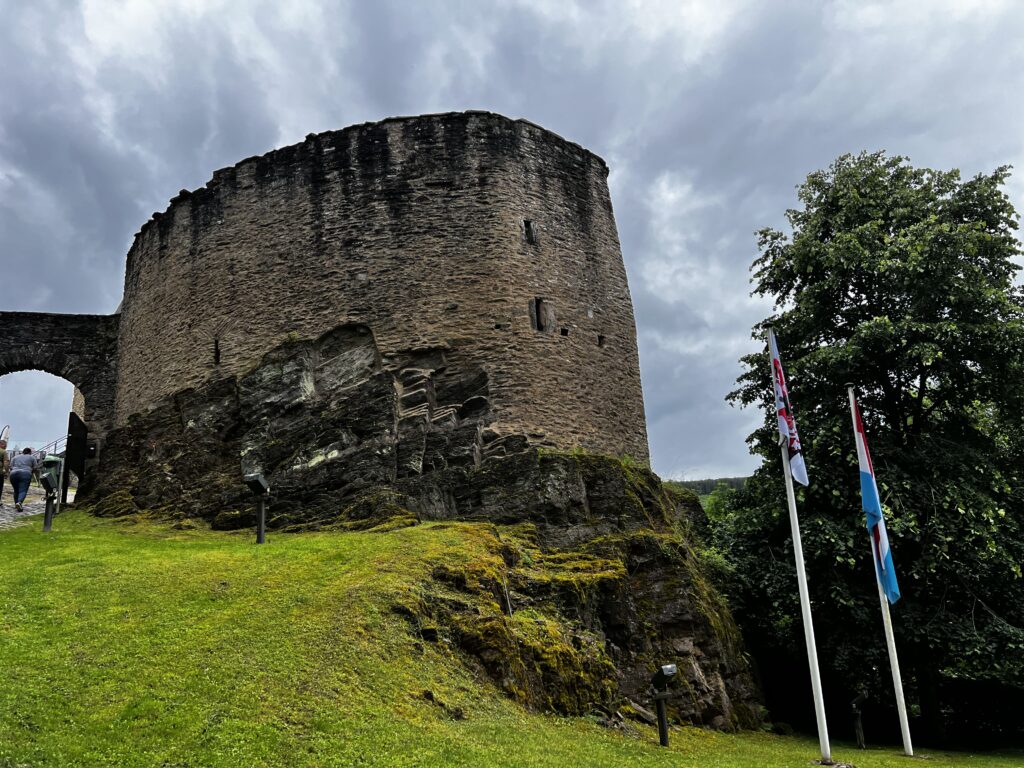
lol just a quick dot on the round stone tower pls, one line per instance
(462, 244)
(417, 319)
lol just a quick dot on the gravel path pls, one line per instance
(35, 503)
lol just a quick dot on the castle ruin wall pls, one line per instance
(489, 241)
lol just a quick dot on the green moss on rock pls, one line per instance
(234, 519)
(580, 576)
(379, 511)
(540, 661)
(116, 504)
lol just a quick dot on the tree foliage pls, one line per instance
(899, 280)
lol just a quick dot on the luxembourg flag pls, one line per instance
(873, 507)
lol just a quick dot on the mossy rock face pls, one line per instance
(379, 511)
(571, 630)
(234, 519)
(592, 580)
(319, 418)
(117, 504)
(593, 577)
(541, 662)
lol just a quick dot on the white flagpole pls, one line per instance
(894, 662)
(890, 640)
(801, 576)
(805, 610)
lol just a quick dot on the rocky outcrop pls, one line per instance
(325, 420)
(591, 580)
(580, 629)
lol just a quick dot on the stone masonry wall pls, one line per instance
(78, 404)
(79, 348)
(439, 234)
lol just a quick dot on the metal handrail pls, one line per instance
(57, 446)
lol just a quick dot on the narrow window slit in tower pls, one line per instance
(216, 351)
(542, 317)
(529, 231)
(600, 340)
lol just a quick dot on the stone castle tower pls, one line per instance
(426, 291)
(419, 319)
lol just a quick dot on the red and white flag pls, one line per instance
(787, 424)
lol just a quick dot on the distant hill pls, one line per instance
(704, 487)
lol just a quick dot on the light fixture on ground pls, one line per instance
(660, 684)
(50, 488)
(260, 488)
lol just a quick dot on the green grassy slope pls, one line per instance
(133, 644)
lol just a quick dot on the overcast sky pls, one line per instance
(708, 113)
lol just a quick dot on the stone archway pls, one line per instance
(79, 348)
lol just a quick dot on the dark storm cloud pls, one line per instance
(64, 187)
(709, 113)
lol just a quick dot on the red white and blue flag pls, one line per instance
(787, 424)
(872, 505)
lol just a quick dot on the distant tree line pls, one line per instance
(707, 486)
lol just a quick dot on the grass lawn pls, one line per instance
(127, 643)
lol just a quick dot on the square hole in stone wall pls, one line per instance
(565, 331)
(542, 315)
(529, 231)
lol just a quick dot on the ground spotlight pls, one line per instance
(260, 488)
(660, 683)
(257, 483)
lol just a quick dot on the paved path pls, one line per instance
(35, 504)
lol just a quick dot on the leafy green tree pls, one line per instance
(899, 280)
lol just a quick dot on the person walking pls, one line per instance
(5, 468)
(23, 467)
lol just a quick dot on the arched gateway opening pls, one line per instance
(35, 405)
(78, 348)
(34, 413)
